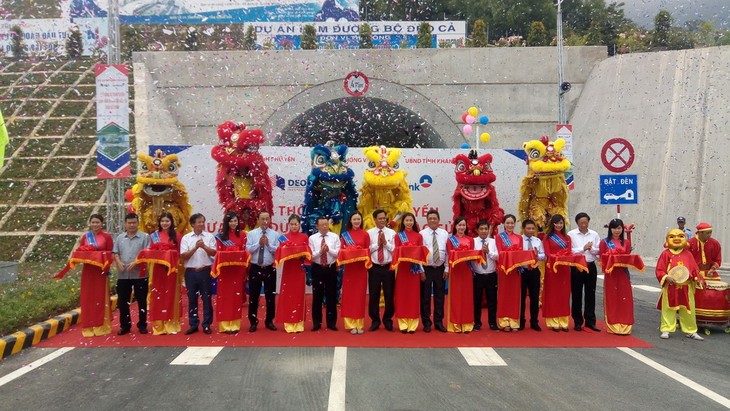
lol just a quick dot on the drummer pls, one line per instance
(678, 274)
(706, 251)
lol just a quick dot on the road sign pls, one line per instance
(617, 155)
(619, 188)
(356, 83)
(565, 131)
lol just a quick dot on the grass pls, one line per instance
(22, 168)
(37, 296)
(8, 107)
(49, 65)
(70, 109)
(87, 191)
(19, 92)
(61, 168)
(70, 218)
(39, 147)
(64, 78)
(90, 78)
(50, 92)
(55, 127)
(82, 92)
(11, 191)
(86, 127)
(19, 127)
(52, 248)
(36, 77)
(47, 192)
(79, 65)
(7, 79)
(90, 170)
(13, 247)
(35, 108)
(26, 219)
(20, 66)
(76, 146)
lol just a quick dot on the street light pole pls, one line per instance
(561, 98)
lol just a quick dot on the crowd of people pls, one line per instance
(422, 277)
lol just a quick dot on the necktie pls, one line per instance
(484, 240)
(381, 252)
(260, 261)
(529, 243)
(323, 256)
(435, 248)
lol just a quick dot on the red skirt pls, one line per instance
(162, 294)
(618, 297)
(231, 295)
(290, 306)
(94, 296)
(461, 294)
(509, 292)
(354, 290)
(556, 292)
(407, 292)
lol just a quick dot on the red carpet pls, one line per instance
(327, 338)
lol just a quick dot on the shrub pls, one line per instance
(74, 43)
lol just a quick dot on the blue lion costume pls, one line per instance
(330, 191)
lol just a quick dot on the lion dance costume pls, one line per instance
(243, 182)
(474, 197)
(384, 186)
(544, 192)
(158, 190)
(330, 189)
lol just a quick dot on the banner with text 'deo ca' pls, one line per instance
(112, 121)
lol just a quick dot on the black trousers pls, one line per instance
(381, 277)
(434, 280)
(578, 281)
(530, 285)
(324, 284)
(198, 284)
(258, 275)
(485, 283)
(124, 294)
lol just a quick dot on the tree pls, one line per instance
(191, 40)
(479, 34)
(537, 36)
(366, 36)
(309, 37)
(425, 40)
(131, 41)
(249, 39)
(662, 27)
(17, 43)
(74, 43)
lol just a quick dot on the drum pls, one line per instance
(712, 305)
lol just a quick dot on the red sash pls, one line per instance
(415, 254)
(460, 256)
(511, 260)
(229, 258)
(571, 260)
(167, 258)
(611, 261)
(354, 254)
(101, 259)
(291, 252)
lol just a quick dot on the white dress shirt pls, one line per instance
(441, 237)
(253, 246)
(333, 243)
(491, 256)
(199, 258)
(536, 245)
(374, 233)
(579, 240)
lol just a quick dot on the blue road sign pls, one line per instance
(619, 188)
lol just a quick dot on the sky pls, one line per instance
(642, 12)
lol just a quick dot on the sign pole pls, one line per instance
(618, 211)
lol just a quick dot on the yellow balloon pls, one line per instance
(485, 137)
(473, 111)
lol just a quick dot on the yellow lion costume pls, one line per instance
(384, 186)
(158, 190)
(544, 192)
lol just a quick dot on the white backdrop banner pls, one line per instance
(430, 177)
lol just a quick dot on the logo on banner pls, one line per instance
(424, 182)
(279, 182)
(288, 183)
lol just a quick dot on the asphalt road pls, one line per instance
(383, 379)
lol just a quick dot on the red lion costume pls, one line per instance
(242, 182)
(474, 197)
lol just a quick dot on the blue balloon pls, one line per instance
(484, 119)
(465, 146)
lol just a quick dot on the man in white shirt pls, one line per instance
(325, 246)
(584, 241)
(262, 243)
(382, 244)
(485, 277)
(197, 248)
(531, 276)
(434, 275)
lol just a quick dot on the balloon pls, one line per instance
(128, 196)
(473, 111)
(465, 146)
(469, 120)
(484, 119)
(463, 117)
(467, 129)
(485, 137)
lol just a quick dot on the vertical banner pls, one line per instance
(112, 121)
(565, 131)
(4, 139)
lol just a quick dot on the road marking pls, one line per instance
(640, 287)
(481, 357)
(35, 364)
(197, 356)
(338, 380)
(678, 377)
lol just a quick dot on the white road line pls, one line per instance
(35, 364)
(197, 356)
(482, 357)
(640, 287)
(678, 377)
(338, 380)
